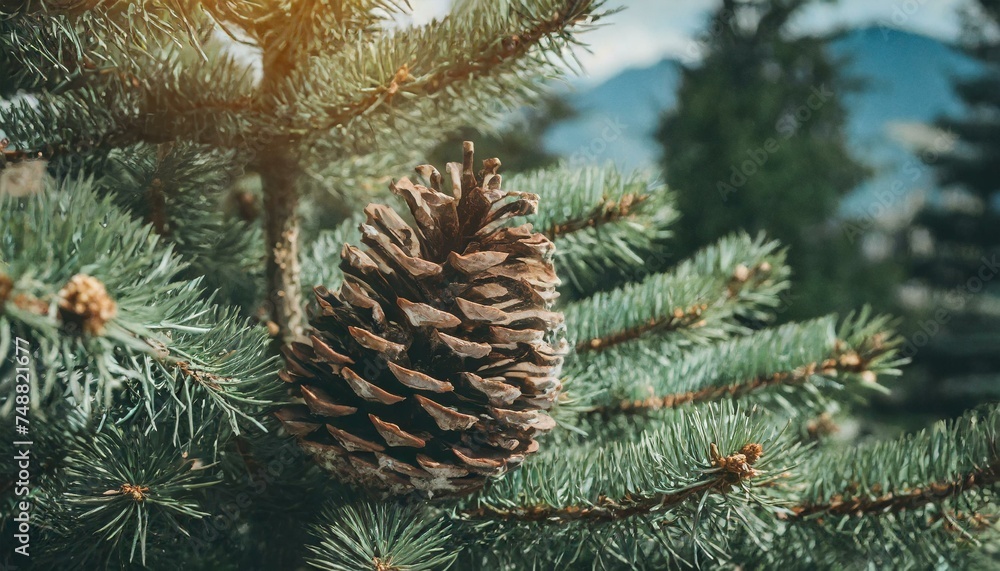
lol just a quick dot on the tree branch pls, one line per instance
(510, 48)
(681, 318)
(610, 211)
(896, 501)
(605, 509)
(726, 471)
(846, 363)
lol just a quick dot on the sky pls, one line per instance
(647, 31)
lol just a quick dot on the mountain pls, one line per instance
(617, 118)
(906, 80)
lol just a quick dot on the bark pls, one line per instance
(281, 227)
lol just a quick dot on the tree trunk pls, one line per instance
(281, 229)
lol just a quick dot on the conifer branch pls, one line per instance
(729, 471)
(734, 390)
(380, 536)
(678, 319)
(608, 212)
(496, 54)
(875, 503)
(132, 327)
(736, 275)
(959, 457)
(577, 198)
(609, 228)
(865, 350)
(605, 509)
(658, 473)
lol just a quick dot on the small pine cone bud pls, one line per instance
(753, 451)
(741, 273)
(431, 369)
(85, 302)
(850, 360)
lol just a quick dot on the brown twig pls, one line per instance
(846, 363)
(605, 509)
(510, 48)
(708, 394)
(727, 472)
(610, 211)
(680, 317)
(210, 380)
(157, 207)
(914, 498)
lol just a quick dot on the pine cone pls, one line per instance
(430, 370)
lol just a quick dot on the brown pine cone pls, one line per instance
(431, 369)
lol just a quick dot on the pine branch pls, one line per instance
(589, 197)
(610, 211)
(605, 509)
(607, 227)
(188, 185)
(953, 458)
(71, 123)
(122, 488)
(736, 277)
(291, 31)
(495, 44)
(710, 450)
(443, 70)
(984, 477)
(787, 357)
(163, 93)
(380, 537)
(127, 331)
(909, 502)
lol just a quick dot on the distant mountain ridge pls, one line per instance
(907, 76)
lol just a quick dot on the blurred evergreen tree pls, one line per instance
(957, 335)
(757, 141)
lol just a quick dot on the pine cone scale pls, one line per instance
(446, 418)
(423, 315)
(321, 403)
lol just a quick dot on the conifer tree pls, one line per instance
(957, 337)
(450, 404)
(757, 141)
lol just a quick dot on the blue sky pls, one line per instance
(649, 30)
